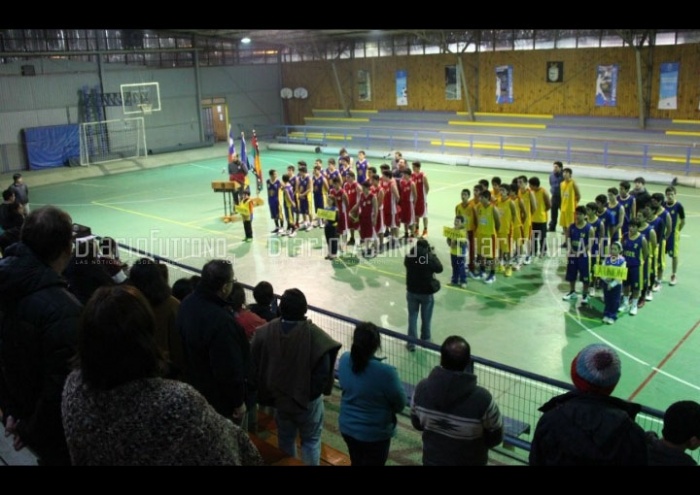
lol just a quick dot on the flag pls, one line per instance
(244, 158)
(231, 145)
(257, 167)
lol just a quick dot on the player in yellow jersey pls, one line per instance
(507, 213)
(517, 224)
(528, 198)
(570, 196)
(487, 226)
(465, 209)
(539, 217)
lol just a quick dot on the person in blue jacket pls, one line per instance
(372, 397)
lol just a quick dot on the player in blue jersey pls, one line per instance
(290, 206)
(647, 230)
(635, 250)
(630, 204)
(677, 212)
(663, 232)
(361, 166)
(274, 187)
(597, 255)
(579, 239)
(319, 186)
(601, 202)
(303, 193)
(616, 215)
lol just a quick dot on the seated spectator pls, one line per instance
(147, 276)
(681, 432)
(587, 426)
(265, 305)
(11, 220)
(118, 410)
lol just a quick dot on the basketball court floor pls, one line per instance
(520, 321)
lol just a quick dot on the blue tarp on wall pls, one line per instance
(52, 146)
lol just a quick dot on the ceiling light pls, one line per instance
(245, 40)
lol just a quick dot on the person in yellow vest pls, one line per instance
(570, 196)
(465, 209)
(507, 212)
(517, 224)
(539, 217)
(246, 211)
(530, 203)
(487, 226)
(474, 202)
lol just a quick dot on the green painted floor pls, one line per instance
(520, 321)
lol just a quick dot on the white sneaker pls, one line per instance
(657, 286)
(584, 299)
(649, 296)
(571, 295)
(591, 291)
(673, 280)
(633, 309)
(490, 279)
(623, 308)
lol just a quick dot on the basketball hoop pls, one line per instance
(146, 108)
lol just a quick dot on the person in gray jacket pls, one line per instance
(459, 419)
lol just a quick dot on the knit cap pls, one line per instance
(596, 368)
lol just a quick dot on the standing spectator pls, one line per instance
(681, 432)
(21, 192)
(250, 322)
(86, 272)
(570, 197)
(555, 179)
(217, 353)
(459, 419)
(146, 275)
(587, 426)
(117, 408)
(38, 324)
(421, 266)
(293, 362)
(372, 397)
(640, 193)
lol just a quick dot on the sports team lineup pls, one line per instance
(622, 245)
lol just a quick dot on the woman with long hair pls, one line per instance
(372, 396)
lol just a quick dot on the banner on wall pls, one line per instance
(606, 86)
(453, 87)
(668, 86)
(504, 84)
(401, 88)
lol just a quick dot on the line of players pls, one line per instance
(648, 228)
(374, 203)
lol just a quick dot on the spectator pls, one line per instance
(38, 324)
(421, 266)
(217, 353)
(21, 192)
(587, 426)
(460, 420)
(265, 305)
(147, 276)
(681, 432)
(293, 362)
(184, 287)
(86, 273)
(117, 408)
(372, 397)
